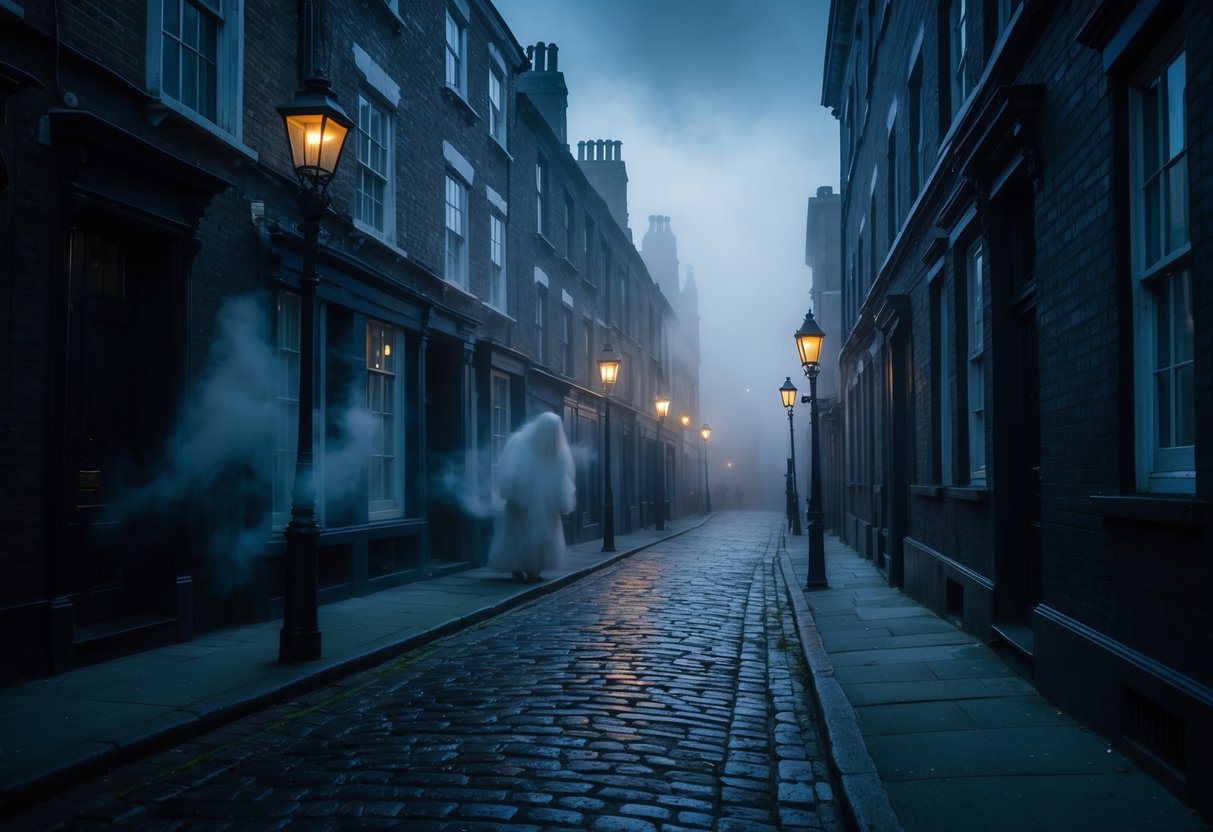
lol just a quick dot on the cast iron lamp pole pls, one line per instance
(705, 432)
(316, 128)
(685, 419)
(608, 370)
(788, 393)
(662, 403)
(808, 344)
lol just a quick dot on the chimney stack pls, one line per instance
(544, 84)
(601, 161)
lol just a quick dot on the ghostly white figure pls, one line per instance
(535, 479)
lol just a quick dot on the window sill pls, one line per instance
(545, 241)
(500, 148)
(568, 265)
(363, 234)
(977, 494)
(1175, 511)
(456, 98)
(933, 492)
(498, 311)
(164, 107)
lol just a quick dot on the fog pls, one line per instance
(718, 108)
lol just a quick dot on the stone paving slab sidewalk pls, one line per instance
(930, 730)
(67, 728)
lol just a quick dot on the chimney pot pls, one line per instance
(825, 190)
(541, 57)
(553, 51)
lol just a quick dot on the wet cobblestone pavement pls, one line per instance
(664, 693)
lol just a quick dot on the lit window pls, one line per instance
(373, 197)
(456, 232)
(1161, 266)
(383, 406)
(497, 262)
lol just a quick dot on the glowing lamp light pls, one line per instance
(608, 367)
(662, 403)
(316, 128)
(686, 420)
(788, 393)
(705, 432)
(808, 343)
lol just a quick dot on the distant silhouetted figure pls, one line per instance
(535, 479)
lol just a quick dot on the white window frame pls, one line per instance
(455, 263)
(541, 322)
(289, 345)
(384, 404)
(368, 147)
(974, 260)
(944, 393)
(497, 121)
(497, 262)
(1162, 276)
(229, 66)
(958, 50)
(455, 49)
(499, 424)
(541, 195)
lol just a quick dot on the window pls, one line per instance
(541, 196)
(566, 338)
(500, 427)
(589, 249)
(587, 344)
(941, 324)
(288, 347)
(497, 262)
(456, 232)
(194, 59)
(919, 166)
(497, 101)
(957, 51)
(568, 227)
(892, 197)
(976, 379)
(382, 392)
(541, 323)
(1162, 278)
(372, 200)
(456, 53)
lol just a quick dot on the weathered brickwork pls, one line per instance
(1036, 161)
(203, 212)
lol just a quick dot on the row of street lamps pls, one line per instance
(608, 372)
(316, 128)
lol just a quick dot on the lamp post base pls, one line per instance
(817, 555)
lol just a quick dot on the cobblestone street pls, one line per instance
(666, 692)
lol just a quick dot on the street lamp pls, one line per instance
(808, 344)
(608, 370)
(662, 404)
(705, 432)
(788, 393)
(316, 128)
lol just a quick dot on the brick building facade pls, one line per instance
(470, 274)
(1027, 335)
